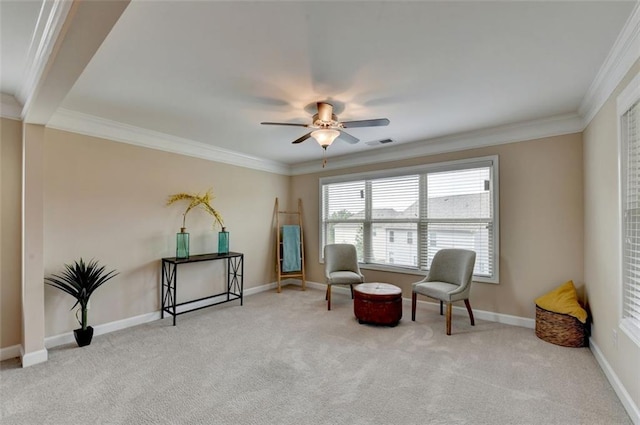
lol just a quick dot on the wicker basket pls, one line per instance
(560, 329)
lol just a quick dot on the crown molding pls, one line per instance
(90, 125)
(624, 53)
(51, 19)
(9, 107)
(548, 127)
(77, 122)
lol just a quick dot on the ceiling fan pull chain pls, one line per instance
(324, 158)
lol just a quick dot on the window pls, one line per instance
(629, 112)
(445, 205)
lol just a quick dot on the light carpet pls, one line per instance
(284, 359)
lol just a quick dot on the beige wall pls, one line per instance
(106, 200)
(602, 242)
(541, 221)
(10, 231)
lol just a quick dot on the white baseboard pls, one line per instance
(490, 316)
(263, 288)
(66, 338)
(323, 286)
(632, 410)
(33, 358)
(10, 352)
(285, 282)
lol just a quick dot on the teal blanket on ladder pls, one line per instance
(291, 258)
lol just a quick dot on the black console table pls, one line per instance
(235, 282)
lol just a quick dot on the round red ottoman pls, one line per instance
(377, 303)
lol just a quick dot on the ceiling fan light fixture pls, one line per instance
(325, 136)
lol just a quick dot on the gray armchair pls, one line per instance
(341, 268)
(449, 280)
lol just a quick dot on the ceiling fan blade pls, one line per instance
(285, 123)
(380, 122)
(325, 111)
(302, 139)
(348, 138)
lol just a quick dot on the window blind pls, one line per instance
(402, 218)
(630, 126)
(459, 214)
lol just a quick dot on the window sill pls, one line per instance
(631, 329)
(422, 273)
(383, 268)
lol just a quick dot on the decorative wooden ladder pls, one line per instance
(280, 247)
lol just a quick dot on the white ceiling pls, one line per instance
(210, 71)
(18, 21)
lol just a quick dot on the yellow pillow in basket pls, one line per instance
(564, 300)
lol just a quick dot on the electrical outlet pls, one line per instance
(614, 337)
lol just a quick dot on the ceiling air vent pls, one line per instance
(379, 142)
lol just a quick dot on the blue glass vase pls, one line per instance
(182, 243)
(223, 241)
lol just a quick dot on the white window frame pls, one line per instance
(491, 161)
(629, 96)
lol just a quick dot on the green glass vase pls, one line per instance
(182, 243)
(223, 241)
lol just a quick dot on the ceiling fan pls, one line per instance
(327, 127)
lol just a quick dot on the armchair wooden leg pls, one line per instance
(449, 305)
(328, 297)
(440, 308)
(351, 286)
(414, 297)
(466, 302)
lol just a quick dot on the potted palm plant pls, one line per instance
(80, 280)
